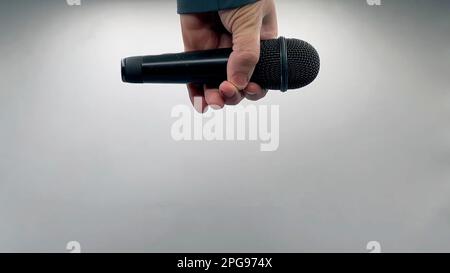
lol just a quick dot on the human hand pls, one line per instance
(242, 29)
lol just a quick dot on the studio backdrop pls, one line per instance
(362, 155)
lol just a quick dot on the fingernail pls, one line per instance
(228, 94)
(215, 107)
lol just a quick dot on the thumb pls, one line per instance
(245, 27)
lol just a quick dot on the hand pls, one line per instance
(241, 29)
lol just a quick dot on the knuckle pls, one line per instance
(249, 56)
(269, 34)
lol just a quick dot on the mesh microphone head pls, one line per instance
(299, 69)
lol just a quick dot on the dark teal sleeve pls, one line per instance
(197, 6)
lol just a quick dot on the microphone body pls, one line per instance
(284, 64)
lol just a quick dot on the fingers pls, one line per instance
(198, 34)
(213, 98)
(248, 26)
(229, 93)
(254, 92)
(245, 26)
(197, 97)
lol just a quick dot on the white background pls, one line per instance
(364, 151)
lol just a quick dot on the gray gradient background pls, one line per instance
(364, 152)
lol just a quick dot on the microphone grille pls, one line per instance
(303, 64)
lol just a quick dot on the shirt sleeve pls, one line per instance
(198, 6)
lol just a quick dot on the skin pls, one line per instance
(242, 29)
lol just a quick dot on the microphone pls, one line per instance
(284, 64)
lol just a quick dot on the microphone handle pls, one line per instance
(207, 66)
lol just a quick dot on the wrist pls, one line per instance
(199, 6)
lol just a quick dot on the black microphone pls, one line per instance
(284, 64)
